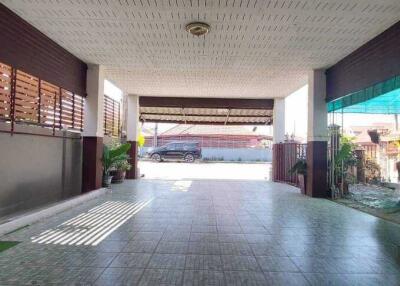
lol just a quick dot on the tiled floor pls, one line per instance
(205, 233)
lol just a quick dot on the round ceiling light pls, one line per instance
(197, 28)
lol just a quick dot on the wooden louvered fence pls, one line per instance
(112, 117)
(26, 99)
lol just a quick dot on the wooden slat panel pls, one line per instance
(5, 69)
(39, 106)
(5, 91)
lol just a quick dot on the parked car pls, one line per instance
(187, 151)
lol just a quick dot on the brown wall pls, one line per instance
(374, 62)
(26, 48)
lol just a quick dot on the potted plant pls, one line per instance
(300, 168)
(119, 172)
(111, 157)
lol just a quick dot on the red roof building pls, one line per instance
(212, 136)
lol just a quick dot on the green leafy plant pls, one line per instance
(346, 156)
(123, 165)
(345, 159)
(300, 167)
(114, 156)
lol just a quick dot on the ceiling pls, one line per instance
(255, 49)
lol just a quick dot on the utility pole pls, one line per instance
(155, 140)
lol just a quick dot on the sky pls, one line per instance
(296, 113)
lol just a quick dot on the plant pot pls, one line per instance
(118, 176)
(107, 181)
(398, 170)
(302, 183)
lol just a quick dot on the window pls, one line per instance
(112, 117)
(26, 99)
(172, 146)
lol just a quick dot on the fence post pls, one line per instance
(13, 92)
(54, 113)
(73, 110)
(60, 109)
(40, 99)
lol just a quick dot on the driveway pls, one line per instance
(202, 170)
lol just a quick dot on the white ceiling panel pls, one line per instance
(255, 49)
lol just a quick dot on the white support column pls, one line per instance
(93, 129)
(317, 135)
(317, 112)
(94, 103)
(132, 123)
(132, 133)
(279, 120)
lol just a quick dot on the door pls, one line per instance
(172, 151)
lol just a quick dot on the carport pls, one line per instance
(199, 62)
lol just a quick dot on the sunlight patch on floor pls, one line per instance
(93, 226)
(181, 186)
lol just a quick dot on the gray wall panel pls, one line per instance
(36, 170)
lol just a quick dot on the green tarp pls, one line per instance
(382, 98)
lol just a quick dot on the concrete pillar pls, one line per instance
(279, 121)
(132, 133)
(278, 134)
(317, 135)
(93, 129)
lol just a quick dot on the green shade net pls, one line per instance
(381, 98)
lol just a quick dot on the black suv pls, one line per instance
(187, 151)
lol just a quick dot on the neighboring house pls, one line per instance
(386, 153)
(229, 143)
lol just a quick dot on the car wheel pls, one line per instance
(189, 158)
(156, 157)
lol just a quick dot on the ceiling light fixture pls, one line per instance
(198, 28)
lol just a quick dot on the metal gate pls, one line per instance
(285, 155)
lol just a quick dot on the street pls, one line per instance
(202, 170)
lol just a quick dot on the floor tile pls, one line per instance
(203, 237)
(119, 276)
(203, 262)
(140, 246)
(285, 279)
(248, 278)
(171, 247)
(235, 262)
(134, 260)
(153, 277)
(267, 249)
(167, 261)
(276, 264)
(204, 248)
(237, 248)
(147, 236)
(203, 278)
